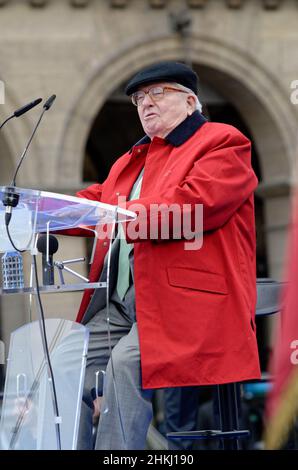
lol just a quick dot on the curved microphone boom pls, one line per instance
(11, 198)
(19, 112)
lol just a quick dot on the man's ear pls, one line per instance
(191, 104)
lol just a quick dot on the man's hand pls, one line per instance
(96, 409)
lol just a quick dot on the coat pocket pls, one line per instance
(198, 280)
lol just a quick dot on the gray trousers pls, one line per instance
(126, 411)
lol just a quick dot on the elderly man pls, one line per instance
(180, 315)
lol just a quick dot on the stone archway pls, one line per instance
(257, 95)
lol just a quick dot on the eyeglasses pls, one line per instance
(156, 94)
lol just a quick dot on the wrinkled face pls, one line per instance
(160, 117)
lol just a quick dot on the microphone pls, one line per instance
(19, 112)
(47, 250)
(10, 197)
(49, 102)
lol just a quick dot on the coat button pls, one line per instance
(117, 194)
(105, 243)
(139, 150)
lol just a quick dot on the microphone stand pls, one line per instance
(13, 181)
(11, 198)
(6, 120)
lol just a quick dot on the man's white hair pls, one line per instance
(184, 88)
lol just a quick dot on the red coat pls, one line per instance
(195, 308)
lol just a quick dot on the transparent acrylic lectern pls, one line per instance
(27, 417)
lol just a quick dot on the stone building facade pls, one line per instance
(245, 52)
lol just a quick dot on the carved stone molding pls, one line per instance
(196, 3)
(79, 3)
(157, 3)
(192, 4)
(271, 4)
(38, 3)
(235, 3)
(118, 3)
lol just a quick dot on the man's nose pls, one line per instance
(147, 100)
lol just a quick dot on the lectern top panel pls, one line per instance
(39, 211)
(62, 211)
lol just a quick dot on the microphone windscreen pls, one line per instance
(19, 112)
(49, 102)
(42, 244)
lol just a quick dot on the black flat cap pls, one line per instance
(164, 72)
